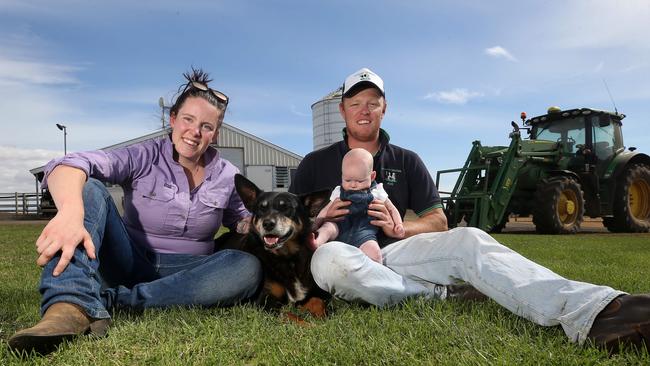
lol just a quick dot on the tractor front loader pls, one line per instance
(572, 165)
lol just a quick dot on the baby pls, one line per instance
(358, 186)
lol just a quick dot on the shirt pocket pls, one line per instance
(213, 202)
(215, 197)
(153, 201)
(155, 191)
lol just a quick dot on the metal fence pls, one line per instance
(20, 203)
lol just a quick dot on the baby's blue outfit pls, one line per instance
(356, 229)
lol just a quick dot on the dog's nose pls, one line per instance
(268, 224)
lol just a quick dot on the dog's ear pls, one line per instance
(315, 201)
(247, 190)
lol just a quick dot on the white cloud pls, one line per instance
(634, 67)
(500, 52)
(143, 95)
(16, 71)
(16, 163)
(33, 93)
(33, 111)
(599, 67)
(298, 113)
(456, 96)
(22, 61)
(36, 94)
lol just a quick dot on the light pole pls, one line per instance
(65, 133)
(163, 109)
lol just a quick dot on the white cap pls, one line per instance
(363, 76)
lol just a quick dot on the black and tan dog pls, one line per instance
(279, 236)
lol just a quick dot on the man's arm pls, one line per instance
(432, 221)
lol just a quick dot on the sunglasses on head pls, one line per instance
(223, 98)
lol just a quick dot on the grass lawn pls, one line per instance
(417, 332)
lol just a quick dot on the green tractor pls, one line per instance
(572, 165)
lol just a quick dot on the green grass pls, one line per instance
(417, 332)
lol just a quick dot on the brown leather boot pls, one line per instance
(61, 321)
(465, 292)
(624, 322)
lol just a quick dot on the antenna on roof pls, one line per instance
(610, 96)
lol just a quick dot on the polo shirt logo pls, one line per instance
(390, 176)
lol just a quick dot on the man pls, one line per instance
(430, 257)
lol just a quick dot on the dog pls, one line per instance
(279, 236)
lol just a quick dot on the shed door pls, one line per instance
(235, 155)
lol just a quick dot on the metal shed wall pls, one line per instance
(256, 151)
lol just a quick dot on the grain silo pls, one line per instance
(327, 121)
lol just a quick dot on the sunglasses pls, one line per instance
(223, 98)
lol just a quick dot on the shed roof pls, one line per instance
(227, 128)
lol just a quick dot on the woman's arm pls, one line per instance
(66, 230)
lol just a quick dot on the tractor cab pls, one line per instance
(588, 139)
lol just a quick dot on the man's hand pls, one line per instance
(378, 210)
(336, 210)
(333, 212)
(63, 233)
(311, 241)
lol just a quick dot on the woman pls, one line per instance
(177, 193)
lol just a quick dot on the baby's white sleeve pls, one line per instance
(379, 193)
(336, 193)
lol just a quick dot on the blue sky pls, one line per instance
(454, 71)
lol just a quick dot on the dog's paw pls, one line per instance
(315, 306)
(294, 318)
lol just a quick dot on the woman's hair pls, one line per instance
(187, 90)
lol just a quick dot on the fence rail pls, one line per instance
(20, 203)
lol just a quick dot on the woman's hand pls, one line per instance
(63, 233)
(378, 210)
(244, 225)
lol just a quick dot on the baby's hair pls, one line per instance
(360, 154)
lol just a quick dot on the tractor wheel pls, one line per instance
(631, 201)
(559, 206)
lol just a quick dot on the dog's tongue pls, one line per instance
(271, 239)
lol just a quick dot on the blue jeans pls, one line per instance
(127, 275)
